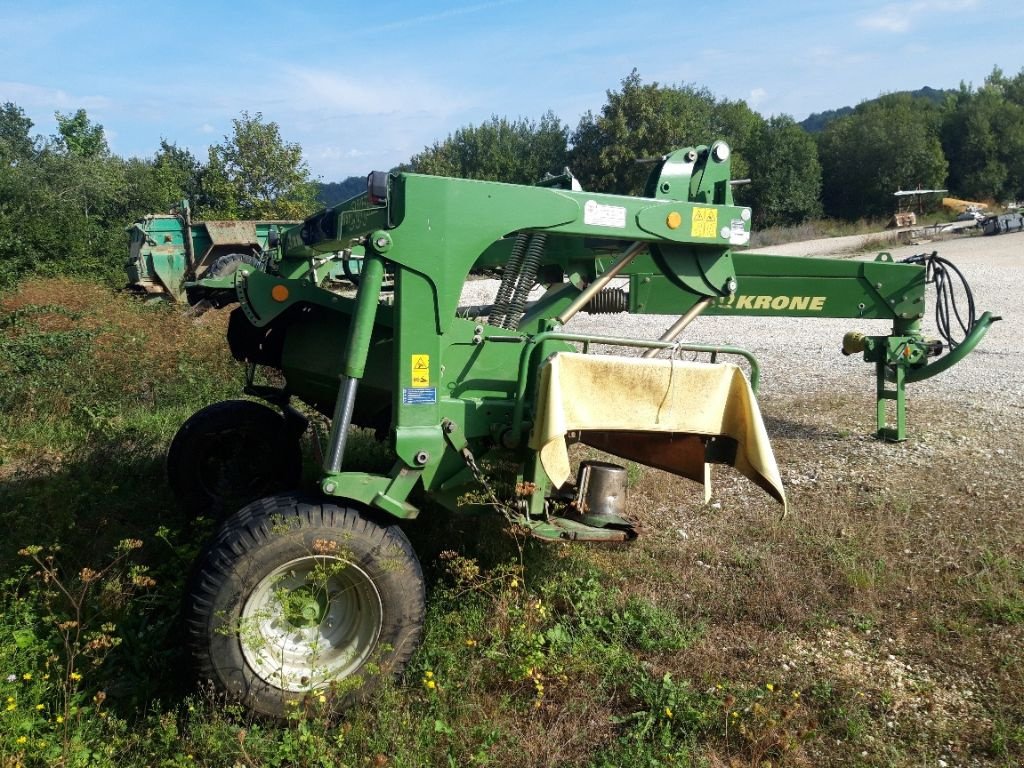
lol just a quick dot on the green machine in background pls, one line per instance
(173, 257)
(321, 592)
(168, 252)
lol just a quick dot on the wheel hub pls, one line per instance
(304, 607)
(310, 622)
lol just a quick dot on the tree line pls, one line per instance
(970, 141)
(65, 199)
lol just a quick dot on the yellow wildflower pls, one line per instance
(27, 676)
(40, 707)
(75, 676)
(668, 712)
(431, 684)
(21, 739)
(60, 718)
(769, 686)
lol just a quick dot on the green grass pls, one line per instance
(749, 641)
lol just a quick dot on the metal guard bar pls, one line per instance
(963, 349)
(532, 342)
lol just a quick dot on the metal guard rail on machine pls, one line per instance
(457, 389)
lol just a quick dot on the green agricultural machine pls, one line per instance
(319, 593)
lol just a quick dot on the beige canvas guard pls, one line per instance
(674, 415)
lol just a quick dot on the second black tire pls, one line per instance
(231, 453)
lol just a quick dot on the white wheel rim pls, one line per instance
(310, 622)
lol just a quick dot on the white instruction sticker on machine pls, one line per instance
(599, 215)
(738, 234)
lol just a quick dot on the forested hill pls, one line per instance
(334, 192)
(816, 121)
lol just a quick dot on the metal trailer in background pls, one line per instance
(167, 252)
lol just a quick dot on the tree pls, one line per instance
(785, 186)
(254, 174)
(80, 137)
(177, 174)
(888, 144)
(644, 121)
(513, 151)
(1011, 88)
(15, 142)
(983, 137)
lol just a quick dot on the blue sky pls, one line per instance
(363, 86)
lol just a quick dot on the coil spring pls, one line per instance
(508, 282)
(526, 281)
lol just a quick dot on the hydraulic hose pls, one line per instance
(940, 272)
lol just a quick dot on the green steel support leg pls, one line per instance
(898, 394)
(535, 474)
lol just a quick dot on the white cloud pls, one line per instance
(328, 94)
(38, 97)
(340, 153)
(757, 96)
(900, 17)
(207, 128)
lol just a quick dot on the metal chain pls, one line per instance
(507, 511)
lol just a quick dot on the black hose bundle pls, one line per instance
(940, 272)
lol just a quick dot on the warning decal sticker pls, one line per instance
(704, 222)
(420, 370)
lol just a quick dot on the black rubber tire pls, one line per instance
(262, 540)
(229, 263)
(231, 453)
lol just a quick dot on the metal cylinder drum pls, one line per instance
(601, 494)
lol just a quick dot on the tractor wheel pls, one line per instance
(231, 453)
(229, 263)
(297, 600)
